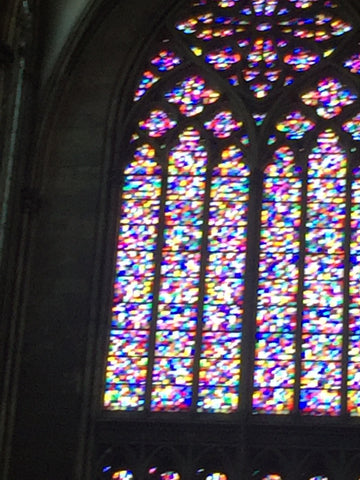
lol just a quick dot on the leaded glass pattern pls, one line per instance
(317, 301)
(219, 370)
(274, 370)
(178, 296)
(184, 353)
(239, 216)
(323, 287)
(354, 302)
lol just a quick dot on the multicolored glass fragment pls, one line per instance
(219, 374)
(166, 60)
(322, 276)
(301, 60)
(295, 125)
(323, 296)
(223, 59)
(133, 287)
(353, 380)
(167, 475)
(262, 71)
(122, 475)
(329, 98)
(174, 302)
(320, 28)
(353, 63)
(223, 124)
(157, 124)
(264, 7)
(353, 127)
(216, 476)
(272, 476)
(274, 374)
(178, 295)
(191, 96)
(147, 81)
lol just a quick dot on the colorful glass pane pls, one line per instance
(329, 98)
(295, 125)
(264, 7)
(259, 118)
(165, 61)
(147, 81)
(353, 127)
(303, 3)
(216, 476)
(353, 380)
(174, 347)
(223, 124)
(223, 59)
(157, 124)
(320, 28)
(262, 56)
(219, 373)
(301, 60)
(170, 475)
(167, 475)
(122, 475)
(353, 63)
(278, 276)
(323, 278)
(137, 239)
(191, 95)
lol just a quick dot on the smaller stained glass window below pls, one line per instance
(272, 476)
(122, 475)
(216, 476)
(166, 475)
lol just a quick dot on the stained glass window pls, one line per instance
(237, 262)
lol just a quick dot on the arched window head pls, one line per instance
(238, 237)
